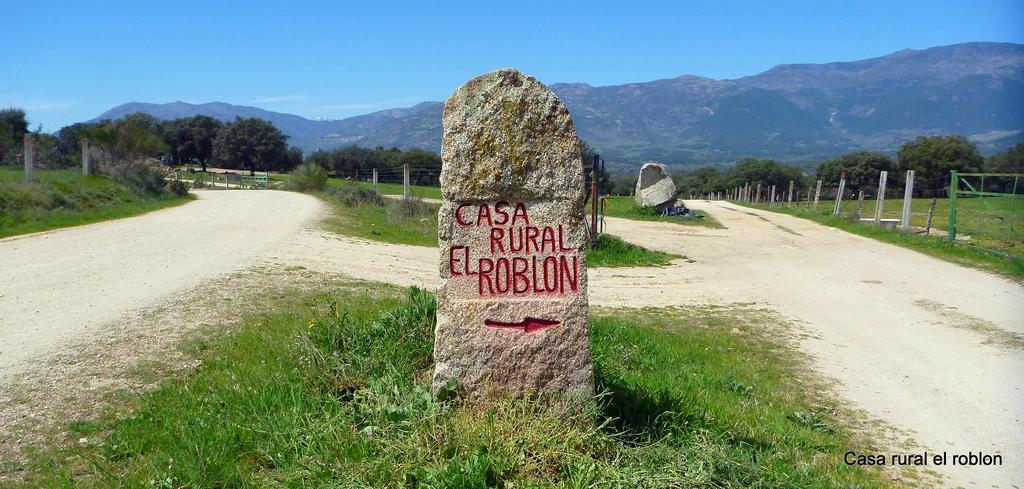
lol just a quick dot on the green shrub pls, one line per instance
(307, 177)
(143, 177)
(177, 187)
(351, 195)
(400, 210)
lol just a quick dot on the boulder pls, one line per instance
(654, 186)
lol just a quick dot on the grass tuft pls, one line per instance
(627, 208)
(612, 251)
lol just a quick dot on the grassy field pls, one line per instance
(333, 391)
(422, 192)
(611, 251)
(974, 215)
(359, 212)
(63, 198)
(964, 254)
(626, 208)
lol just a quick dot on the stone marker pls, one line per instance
(512, 305)
(654, 186)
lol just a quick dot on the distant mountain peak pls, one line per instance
(794, 112)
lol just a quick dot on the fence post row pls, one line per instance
(406, 190)
(839, 194)
(880, 199)
(908, 192)
(931, 212)
(85, 157)
(954, 186)
(29, 157)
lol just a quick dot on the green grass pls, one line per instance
(612, 251)
(1012, 268)
(627, 208)
(421, 191)
(361, 213)
(63, 198)
(336, 394)
(996, 223)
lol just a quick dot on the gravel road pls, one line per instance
(59, 286)
(927, 346)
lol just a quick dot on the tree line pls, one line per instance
(358, 163)
(253, 144)
(931, 157)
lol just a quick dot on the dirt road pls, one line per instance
(57, 287)
(927, 346)
(920, 343)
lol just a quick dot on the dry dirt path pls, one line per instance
(931, 348)
(60, 286)
(925, 345)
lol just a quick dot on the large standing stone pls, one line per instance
(512, 305)
(654, 186)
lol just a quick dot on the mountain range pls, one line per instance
(799, 113)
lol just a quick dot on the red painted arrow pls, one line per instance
(528, 324)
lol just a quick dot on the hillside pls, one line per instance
(792, 112)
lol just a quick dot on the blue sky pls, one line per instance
(72, 60)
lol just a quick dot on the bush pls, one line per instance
(412, 208)
(145, 178)
(177, 187)
(307, 177)
(352, 195)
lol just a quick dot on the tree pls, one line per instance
(69, 142)
(345, 162)
(250, 143)
(933, 157)
(862, 168)
(765, 172)
(293, 158)
(125, 141)
(1008, 161)
(191, 139)
(13, 128)
(699, 181)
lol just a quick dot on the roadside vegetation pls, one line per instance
(1011, 267)
(334, 391)
(611, 252)
(627, 208)
(63, 198)
(361, 212)
(419, 191)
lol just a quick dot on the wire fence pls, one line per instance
(981, 210)
(985, 210)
